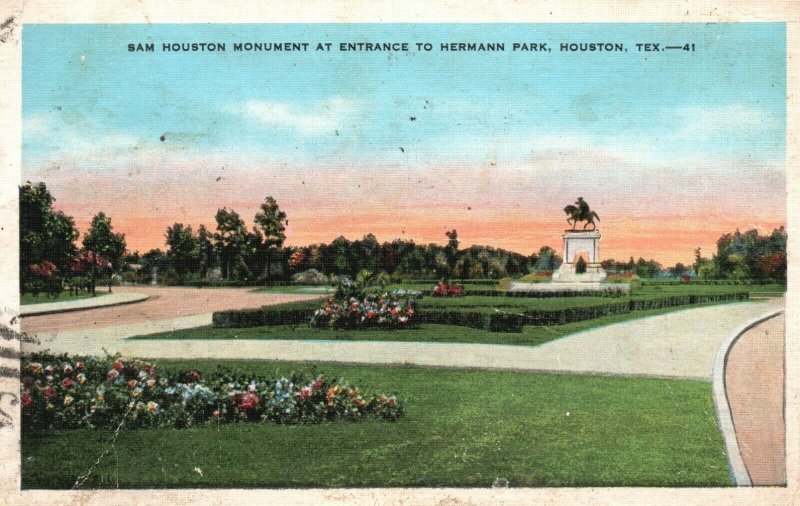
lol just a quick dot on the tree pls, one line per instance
(206, 249)
(272, 223)
(230, 238)
(184, 249)
(44, 234)
(451, 250)
(101, 240)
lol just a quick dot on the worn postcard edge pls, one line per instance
(15, 13)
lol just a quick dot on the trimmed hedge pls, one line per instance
(477, 318)
(701, 282)
(284, 314)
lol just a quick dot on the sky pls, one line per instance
(672, 149)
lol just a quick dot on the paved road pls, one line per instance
(755, 386)
(681, 344)
(165, 303)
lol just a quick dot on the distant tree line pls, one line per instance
(51, 260)
(747, 255)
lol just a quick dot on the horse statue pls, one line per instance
(581, 212)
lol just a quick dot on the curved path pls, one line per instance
(117, 298)
(680, 344)
(164, 303)
(754, 380)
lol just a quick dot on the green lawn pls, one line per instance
(531, 335)
(461, 429)
(28, 298)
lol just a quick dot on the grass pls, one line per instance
(462, 429)
(530, 336)
(28, 298)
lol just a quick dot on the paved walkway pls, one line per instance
(165, 303)
(117, 298)
(681, 344)
(755, 386)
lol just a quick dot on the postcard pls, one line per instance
(332, 256)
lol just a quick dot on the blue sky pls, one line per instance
(214, 100)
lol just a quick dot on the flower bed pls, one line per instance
(385, 311)
(64, 393)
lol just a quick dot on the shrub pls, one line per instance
(443, 289)
(383, 311)
(59, 392)
(475, 318)
(294, 313)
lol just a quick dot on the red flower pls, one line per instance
(132, 384)
(394, 310)
(249, 401)
(67, 383)
(370, 313)
(305, 392)
(195, 375)
(26, 400)
(79, 366)
(50, 392)
(118, 365)
(318, 384)
(112, 374)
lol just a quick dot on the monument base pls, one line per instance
(566, 274)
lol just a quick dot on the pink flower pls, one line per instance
(67, 383)
(305, 392)
(249, 401)
(151, 383)
(26, 400)
(118, 365)
(50, 392)
(79, 366)
(36, 367)
(113, 374)
(394, 310)
(132, 384)
(67, 369)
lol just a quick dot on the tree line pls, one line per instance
(52, 259)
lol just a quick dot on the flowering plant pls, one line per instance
(443, 289)
(384, 311)
(63, 392)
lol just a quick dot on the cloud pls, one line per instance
(324, 116)
(47, 131)
(707, 122)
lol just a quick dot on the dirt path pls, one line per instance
(754, 379)
(164, 303)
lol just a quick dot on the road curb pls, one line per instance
(738, 470)
(81, 305)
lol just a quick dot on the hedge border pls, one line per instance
(487, 319)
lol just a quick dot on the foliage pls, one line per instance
(443, 289)
(747, 255)
(45, 234)
(59, 392)
(384, 311)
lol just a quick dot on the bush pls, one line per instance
(294, 313)
(59, 392)
(475, 318)
(383, 311)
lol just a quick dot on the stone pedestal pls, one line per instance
(577, 244)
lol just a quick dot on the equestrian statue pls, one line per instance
(581, 212)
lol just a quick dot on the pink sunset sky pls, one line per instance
(646, 210)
